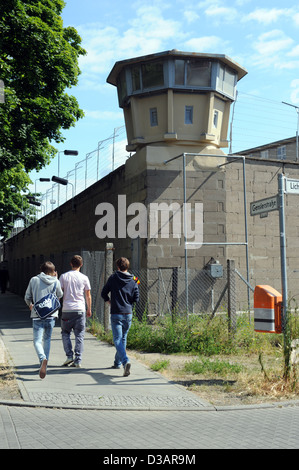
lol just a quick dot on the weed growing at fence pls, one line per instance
(195, 334)
(245, 365)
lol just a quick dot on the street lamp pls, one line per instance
(77, 167)
(297, 110)
(42, 180)
(58, 180)
(33, 201)
(66, 152)
(64, 182)
(23, 217)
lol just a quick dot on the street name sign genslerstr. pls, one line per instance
(264, 205)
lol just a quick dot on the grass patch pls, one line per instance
(160, 365)
(215, 366)
(200, 354)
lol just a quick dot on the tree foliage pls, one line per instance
(38, 62)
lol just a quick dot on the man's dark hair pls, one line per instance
(77, 261)
(123, 264)
(48, 268)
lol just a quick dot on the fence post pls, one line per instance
(174, 291)
(108, 272)
(231, 284)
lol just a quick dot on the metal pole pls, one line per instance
(281, 184)
(297, 150)
(185, 235)
(297, 110)
(246, 232)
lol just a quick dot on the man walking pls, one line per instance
(76, 297)
(38, 287)
(124, 292)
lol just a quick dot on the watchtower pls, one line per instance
(177, 98)
(175, 103)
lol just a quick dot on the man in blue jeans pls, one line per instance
(38, 287)
(124, 292)
(76, 306)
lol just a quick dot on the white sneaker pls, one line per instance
(68, 361)
(76, 364)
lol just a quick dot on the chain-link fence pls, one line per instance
(166, 291)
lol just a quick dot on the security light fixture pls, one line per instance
(70, 152)
(58, 180)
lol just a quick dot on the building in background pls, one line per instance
(281, 150)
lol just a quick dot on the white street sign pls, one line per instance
(292, 186)
(264, 205)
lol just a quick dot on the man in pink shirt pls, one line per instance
(76, 304)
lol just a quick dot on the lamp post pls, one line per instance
(65, 152)
(33, 202)
(67, 177)
(41, 180)
(64, 182)
(297, 131)
(77, 167)
(88, 155)
(113, 145)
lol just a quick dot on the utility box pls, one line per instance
(215, 270)
(267, 310)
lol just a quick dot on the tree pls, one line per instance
(38, 62)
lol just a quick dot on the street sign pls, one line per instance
(264, 205)
(292, 186)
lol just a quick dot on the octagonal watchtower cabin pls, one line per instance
(177, 98)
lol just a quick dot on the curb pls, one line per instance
(30, 404)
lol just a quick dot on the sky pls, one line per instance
(262, 36)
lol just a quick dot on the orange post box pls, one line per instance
(267, 310)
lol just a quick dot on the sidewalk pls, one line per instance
(95, 385)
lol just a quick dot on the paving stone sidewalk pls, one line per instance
(90, 408)
(95, 385)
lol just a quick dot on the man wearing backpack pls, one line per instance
(38, 287)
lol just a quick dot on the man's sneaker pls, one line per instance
(68, 361)
(76, 364)
(43, 369)
(127, 369)
(115, 367)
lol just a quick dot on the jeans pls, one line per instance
(42, 332)
(73, 321)
(120, 325)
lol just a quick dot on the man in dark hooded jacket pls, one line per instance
(124, 292)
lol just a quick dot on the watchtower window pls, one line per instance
(136, 85)
(122, 85)
(188, 114)
(193, 72)
(152, 75)
(215, 119)
(179, 72)
(227, 79)
(199, 73)
(153, 117)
